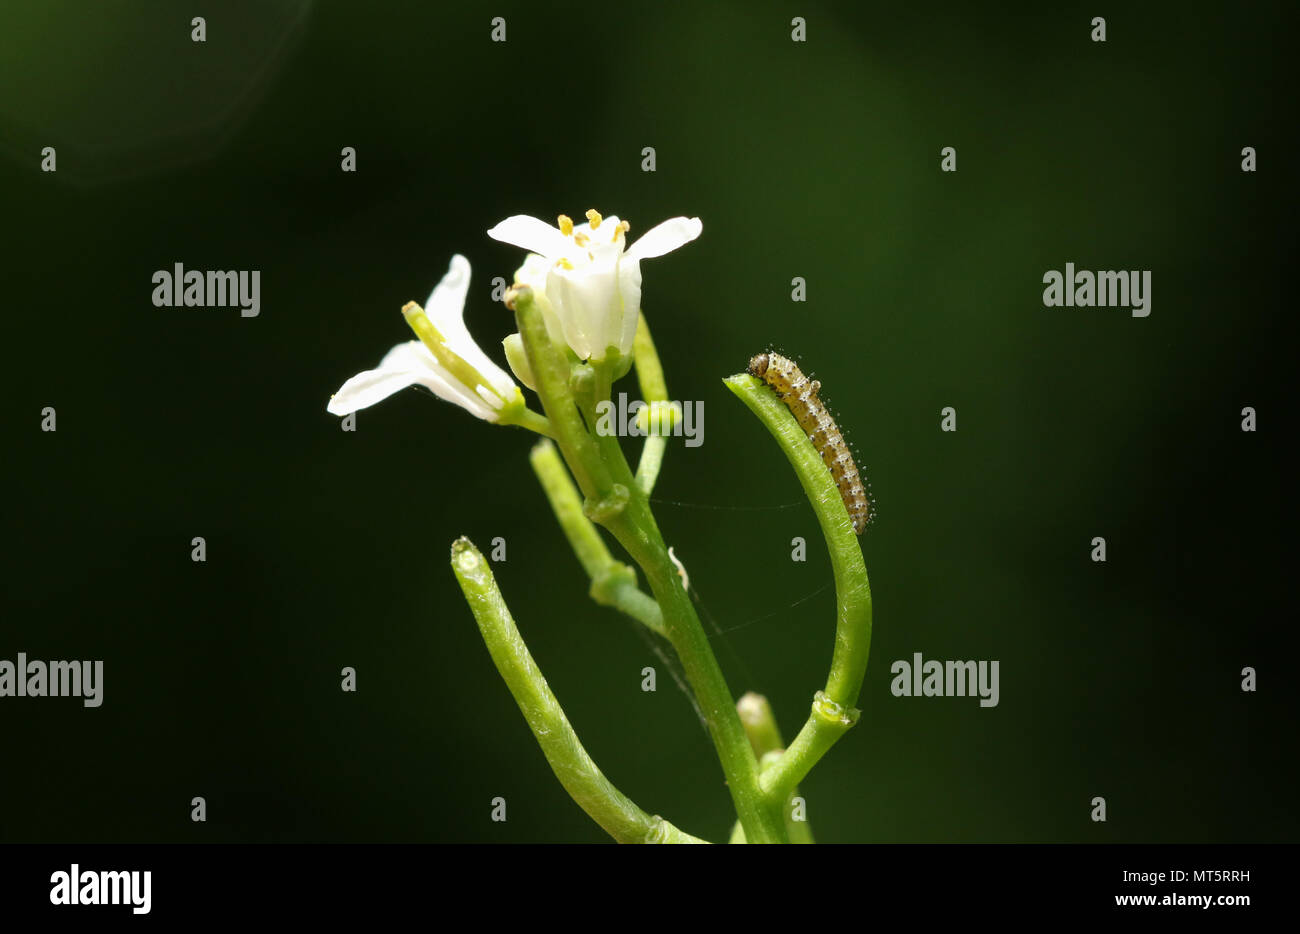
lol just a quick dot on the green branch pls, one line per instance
(636, 530)
(833, 710)
(614, 499)
(579, 775)
(612, 582)
(649, 371)
(524, 417)
(654, 389)
(652, 458)
(552, 370)
(765, 737)
(823, 729)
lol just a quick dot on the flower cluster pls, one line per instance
(587, 282)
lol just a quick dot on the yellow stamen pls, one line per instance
(622, 228)
(581, 239)
(563, 263)
(593, 218)
(565, 224)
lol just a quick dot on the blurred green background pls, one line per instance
(819, 159)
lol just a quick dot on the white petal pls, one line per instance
(365, 389)
(498, 379)
(629, 287)
(408, 364)
(444, 386)
(589, 305)
(446, 309)
(493, 403)
(529, 233)
(572, 320)
(533, 271)
(394, 373)
(533, 274)
(448, 297)
(665, 238)
(408, 356)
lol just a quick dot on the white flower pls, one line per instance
(445, 359)
(592, 278)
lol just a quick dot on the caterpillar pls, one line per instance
(800, 396)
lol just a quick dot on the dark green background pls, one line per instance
(819, 160)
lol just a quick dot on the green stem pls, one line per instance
(579, 775)
(826, 724)
(649, 371)
(652, 458)
(650, 377)
(604, 380)
(765, 738)
(589, 395)
(612, 582)
(800, 831)
(636, 530)
(618, 589)
(833, 709)
(614, 500)
(525, 417)
(551, 370)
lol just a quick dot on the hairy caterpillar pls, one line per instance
(800, 396)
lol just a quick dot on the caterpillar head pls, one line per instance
(758, 365)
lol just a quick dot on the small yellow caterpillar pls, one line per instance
(800, 396)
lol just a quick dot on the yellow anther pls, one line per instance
(563, 263)
(593, 218)
(581, 239)
(565, 224)
(622, 228)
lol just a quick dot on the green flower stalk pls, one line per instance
(833, 712)
(654, 391)
(584, 782)
(614, 500)
(765, 736)
(613, 583)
